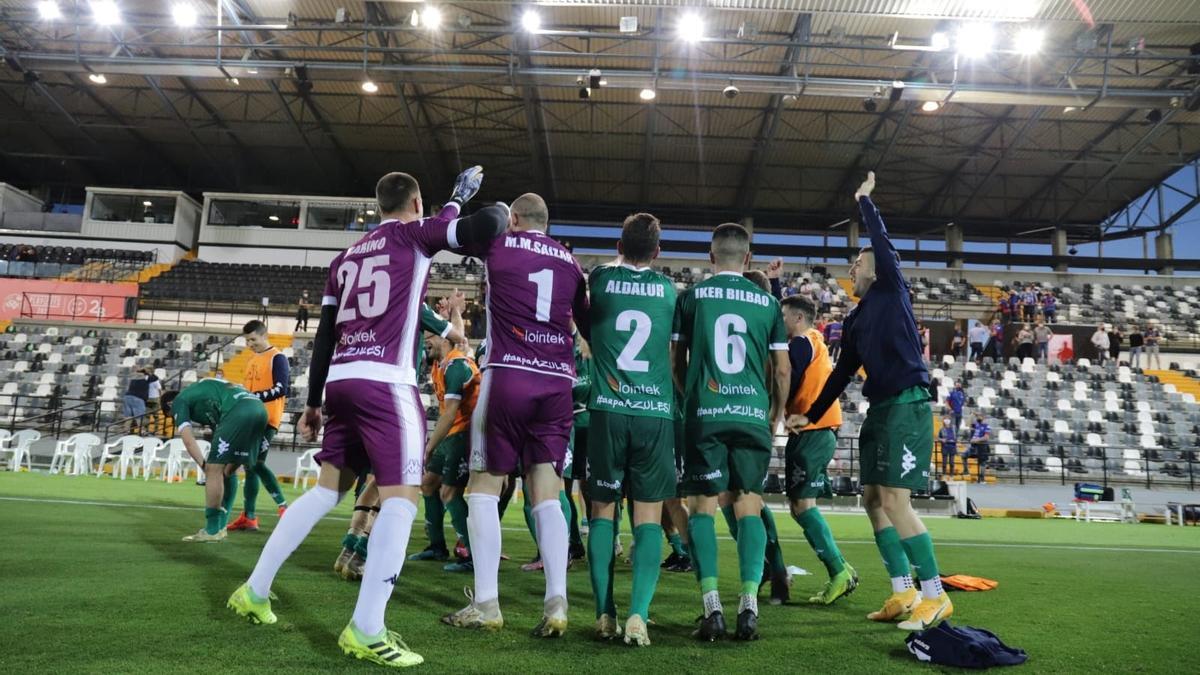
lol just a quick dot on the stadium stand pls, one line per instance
(1177, 310)
(74, 263)
(194, 280)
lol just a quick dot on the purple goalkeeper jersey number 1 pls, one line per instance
(536, 288)
(378, 285)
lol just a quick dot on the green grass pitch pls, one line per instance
(95, 580)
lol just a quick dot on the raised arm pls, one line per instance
(887, 266)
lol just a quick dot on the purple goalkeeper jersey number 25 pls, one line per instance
(535, 288)
(378, 285)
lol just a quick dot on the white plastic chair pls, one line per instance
(18, 446)
(122, 450)
(83, 446)
(306, 466)
(178, 462)
(151, 447)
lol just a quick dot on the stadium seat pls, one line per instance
(122, 451)
(306, 467)
(150, 456)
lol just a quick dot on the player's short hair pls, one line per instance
(165, 400)
(395, 190)
(532, 207)
(254, 326)
(730, 243)
(799, 303)
(639, 237)
(759, 279)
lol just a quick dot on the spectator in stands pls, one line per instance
(1152, 336)
(1050, 306)
(302, 306)
(956, 400)
(1100, 343)
(137, 393)
(1135, 347)
(833, 337)
(1029, 304)
(1115, 337)
(1042, 335)
(957, 342)
(980, 435)
(995, 345)
(1004, 309)
(977, 336)
(826, 300)
(1024, 342)
(220, 375)
(948, 435)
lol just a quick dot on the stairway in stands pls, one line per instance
(1183, 383)
(993, 293)
(235, 368)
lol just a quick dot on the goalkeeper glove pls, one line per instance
(467, 185)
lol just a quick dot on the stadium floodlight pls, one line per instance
(1028, 41)
(431, 17)
(647, 94)
(147, 202)
(531, 21)
(930, 106)
(273, 218)
(184, 15)
(106, 13)
(48, 10)
(369, 87)
(975, 40)
(691, 27)
(939, 41)
(98, 78)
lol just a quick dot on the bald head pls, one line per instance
(529, 212)
(730, 247)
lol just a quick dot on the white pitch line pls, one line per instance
(861, 542)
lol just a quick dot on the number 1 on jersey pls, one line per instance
(544, 281)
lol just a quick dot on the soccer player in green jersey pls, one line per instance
(239, 423)
(731, 359)
(896, 440)
(632, 429)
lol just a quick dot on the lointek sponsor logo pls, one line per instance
(627, 389)
(731, 389)
(534, 338)
(356, 338)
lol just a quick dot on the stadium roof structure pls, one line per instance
(268, 95)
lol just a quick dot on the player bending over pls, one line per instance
(896, 439)
(268, 377)
(238, 420)
(524, 413)
(364, 360)
(810, 448)
(731, 357)
(632, 426)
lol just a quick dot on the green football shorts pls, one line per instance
(268, 436)
(896, 441)
(238, 437)
(450, 459)
(724, 456)
(631, 452)
(807, 463)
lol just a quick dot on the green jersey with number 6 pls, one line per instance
(730, 327)
(631, 329)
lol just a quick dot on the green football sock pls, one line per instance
(349, 541)
(250, 493)
(647, 544)
(435, 520)
(774, 550)
(600, 564)
(730, 520)
(527, 509)
(458, 518)
(676, 543)
(231, 486)
(212, 520)
(894, 558)
(270, 482)
(565, 505)
(920, 552)
(702, 531)
(360, 547)
(816, 531)
(751, 548)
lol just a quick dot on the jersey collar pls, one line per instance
(635, 269)
(732, 274)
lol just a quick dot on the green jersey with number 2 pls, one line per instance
(631, 317)
(730, 327)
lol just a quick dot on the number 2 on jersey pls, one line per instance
(640, 324)
(372, 296)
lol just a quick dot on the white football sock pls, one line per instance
(901, 584)
(931, 589)
(553, 545)
(385, 559)
(292, 528)
(483, 525)
(712, 603)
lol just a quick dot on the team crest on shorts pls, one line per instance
(908, 461)
(222, 446)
